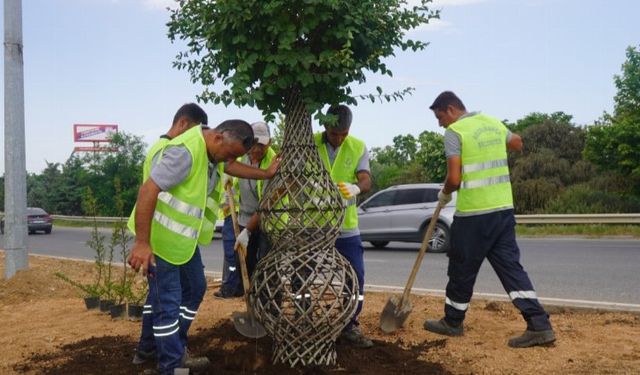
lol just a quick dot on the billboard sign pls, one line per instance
(93, 132)
(94, 149)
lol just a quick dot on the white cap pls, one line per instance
(261, 132)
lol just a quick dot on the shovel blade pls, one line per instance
(247, 325)
(394, 314)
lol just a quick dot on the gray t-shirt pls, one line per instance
(249, 202)
(363, 166)
(452, 147)
(174, 167)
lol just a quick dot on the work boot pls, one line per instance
(141, 357)
(443, 328)
(532, 338)
(194, 364)
(355, 338)
(224, 294)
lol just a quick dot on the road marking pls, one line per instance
(504, 297)
(439, 292)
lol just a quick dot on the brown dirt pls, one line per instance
(45, 329)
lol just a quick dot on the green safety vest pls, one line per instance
(185, 216)
(485, 183)
(146, 170)
(264, 164)
(344, 170)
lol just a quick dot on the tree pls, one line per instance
(562, 139)
(614, 143)
(263, 50)
(125, 163)
(431, 157)
(537, 118)
(627, 99)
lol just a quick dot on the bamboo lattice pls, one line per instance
(303, 292)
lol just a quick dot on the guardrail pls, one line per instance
(88, 219)
(579, 219)
(520, 219)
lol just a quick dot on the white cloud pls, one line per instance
(435, 24)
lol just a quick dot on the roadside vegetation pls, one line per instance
(565, 168)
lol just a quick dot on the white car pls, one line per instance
(402, 213)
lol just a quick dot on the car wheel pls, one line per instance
(379, 244)
(47, 231)
(440, 239)
(31, 231)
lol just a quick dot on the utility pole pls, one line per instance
(15, 182)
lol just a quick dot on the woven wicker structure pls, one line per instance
(303, 292)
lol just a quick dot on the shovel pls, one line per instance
(244, 321)
(397, 309)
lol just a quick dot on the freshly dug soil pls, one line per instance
(47, 330)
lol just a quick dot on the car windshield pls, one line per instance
(34, 211)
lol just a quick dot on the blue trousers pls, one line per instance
(491, 236)
(257, 249)
(175, 294)
(231, 282)
(351, 248)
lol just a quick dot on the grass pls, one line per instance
(80, 224)
(588, 230)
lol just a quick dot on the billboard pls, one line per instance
(93, 132)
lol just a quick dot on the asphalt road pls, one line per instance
(567, 268)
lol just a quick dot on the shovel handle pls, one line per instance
(423, 249)
(236, 229)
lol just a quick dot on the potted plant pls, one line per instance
(136, 300)
(90, 292)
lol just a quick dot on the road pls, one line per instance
(566, 268)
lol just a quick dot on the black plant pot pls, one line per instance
(135, 312)
(117, 311)
(105, 305)
(92, 302)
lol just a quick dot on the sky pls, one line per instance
(110, 62)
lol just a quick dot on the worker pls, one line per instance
(484, 224)
(251, 191)
(231, 286)
(347, 160)
(187, 116)
(175, 212)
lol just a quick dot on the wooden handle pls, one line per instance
(423, 249)
(242, 252)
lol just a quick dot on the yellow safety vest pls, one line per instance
(485, 183)
(184, 216)
(146, 170)
(344, 170)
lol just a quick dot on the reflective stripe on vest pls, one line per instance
(212, 208)
(485, 183)
(344, 170)
(174, 226)
(180, 206)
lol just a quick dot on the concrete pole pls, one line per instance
(15, 181)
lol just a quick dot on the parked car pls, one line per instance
(402, 213)
(37, 219)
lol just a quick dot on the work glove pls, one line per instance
(243, 239)
(348, 191)
(443, 198)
